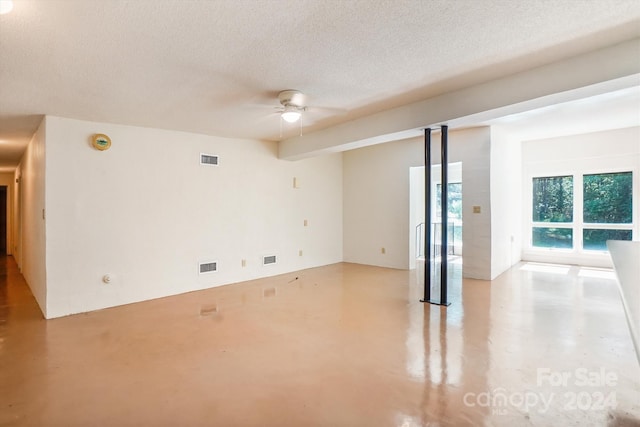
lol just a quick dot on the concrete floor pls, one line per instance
(342, 345)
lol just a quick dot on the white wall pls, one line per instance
(7, 179)
(30, 233)
(376, 200)
(506, 201)
(146, 212)
(376, 203)
(599, 152)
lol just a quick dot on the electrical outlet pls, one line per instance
(306, 222)
(383, 251)
(300, 252)
(244, 262)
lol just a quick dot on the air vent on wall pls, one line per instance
(208, 159)
(208, 267)
(271, 259)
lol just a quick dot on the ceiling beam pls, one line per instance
(604, 70)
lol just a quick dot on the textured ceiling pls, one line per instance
(215, 67)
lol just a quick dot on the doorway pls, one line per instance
(417, 215)
(3, 220)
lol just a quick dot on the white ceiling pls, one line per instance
(216, 66)
(612, 110)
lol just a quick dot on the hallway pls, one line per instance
(341, 345)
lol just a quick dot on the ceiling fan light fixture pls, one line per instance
(291, 114)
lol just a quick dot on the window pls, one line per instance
(607, 210)
(607, 198)
(454, 197)
(596, 239)
(553, 199)
(546, 237)
(553, 203)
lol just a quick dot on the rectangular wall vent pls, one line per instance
(208, 267)
(208, 159)
(271, 259)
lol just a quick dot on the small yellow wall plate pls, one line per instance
(101, 141)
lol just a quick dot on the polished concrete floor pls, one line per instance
(342, 345)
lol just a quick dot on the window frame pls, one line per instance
(578, 224)
(542, 224)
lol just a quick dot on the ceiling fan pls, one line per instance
(293, 105)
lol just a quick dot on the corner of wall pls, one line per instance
(506, 203)
(30, 216)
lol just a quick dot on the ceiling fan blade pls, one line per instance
(328, 110)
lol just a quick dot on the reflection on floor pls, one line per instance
(342, 345)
